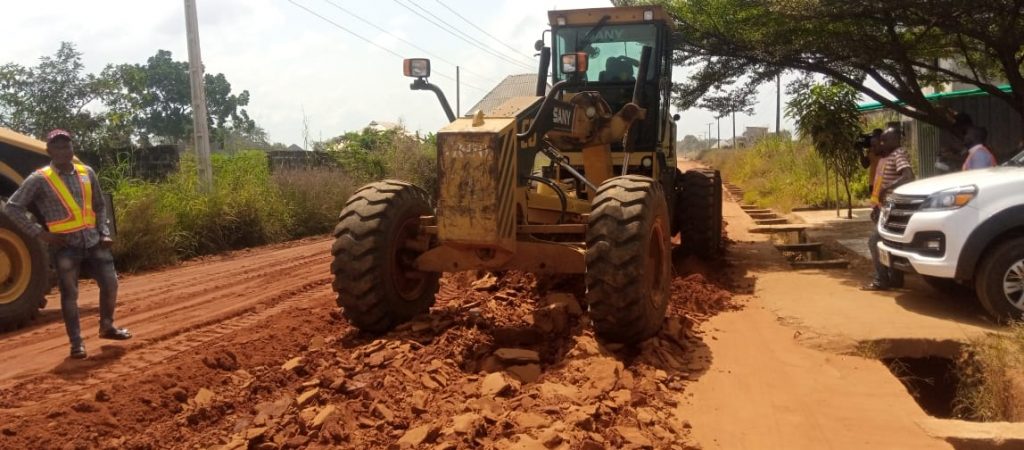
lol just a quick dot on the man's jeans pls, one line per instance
(101, 266)
(884, 276)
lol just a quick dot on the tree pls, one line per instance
(725, 104)
(53, 94)
(827, 114)
(899, 46)
(161, 94)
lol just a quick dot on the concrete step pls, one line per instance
(804, 247)
(762, 216)
(759, 211)
(821, 264)
(746, 207)
(775, 221)
(769, 229)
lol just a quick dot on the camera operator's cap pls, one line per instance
(56, 133)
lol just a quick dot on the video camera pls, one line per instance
(863, 141)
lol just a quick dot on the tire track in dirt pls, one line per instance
(170, 312)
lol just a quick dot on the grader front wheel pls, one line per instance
(376, 243)
(628, 259)
(23, 275)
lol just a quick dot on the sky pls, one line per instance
(299, 67)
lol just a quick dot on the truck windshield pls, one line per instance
(614, 50)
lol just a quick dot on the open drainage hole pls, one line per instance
(932, 381)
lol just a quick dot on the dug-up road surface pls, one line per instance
(249, 350)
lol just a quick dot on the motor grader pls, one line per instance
(24, 268)
(579, 178)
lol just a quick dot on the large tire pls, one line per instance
(378, 287)
(999, 281)
(628, 259)
(700, 209)
(23, 275)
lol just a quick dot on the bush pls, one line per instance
(160, 223)
(782, 174)
(314, 197)
(991, 373)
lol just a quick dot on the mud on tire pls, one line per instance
(377, 285)
(25, 279)
(700, 210)
(628, 259)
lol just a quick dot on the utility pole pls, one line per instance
(718, 122)
(195, 72)
(458, 93)
(778, 104)
(734, 146)
(709, 133)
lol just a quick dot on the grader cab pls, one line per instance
(579, 179)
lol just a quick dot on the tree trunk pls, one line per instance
(836, 178)
(849, 198)
(827, 204)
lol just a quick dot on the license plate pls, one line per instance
(883, 257)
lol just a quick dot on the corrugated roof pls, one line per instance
(521, 85)
(874, 106)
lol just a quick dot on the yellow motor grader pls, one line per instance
(24, 267)
(579, 178)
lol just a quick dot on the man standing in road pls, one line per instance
(68, 195)
(978, 154)
(894, 169)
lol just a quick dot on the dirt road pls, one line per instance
(249, 350)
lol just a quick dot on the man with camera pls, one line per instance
(893, 170)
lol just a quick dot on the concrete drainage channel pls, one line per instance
(788, 238)
(927, 368)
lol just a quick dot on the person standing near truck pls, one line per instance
(894, 169)
(979, 156)
(67, 194)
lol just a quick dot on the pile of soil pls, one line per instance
(502, 361)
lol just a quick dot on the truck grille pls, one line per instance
(898, 211)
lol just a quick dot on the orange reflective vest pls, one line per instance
(80, 217)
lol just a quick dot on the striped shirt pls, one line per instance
(890, 168)
(36, 190)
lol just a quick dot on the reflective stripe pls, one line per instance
(79, 217)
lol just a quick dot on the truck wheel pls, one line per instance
(23, 275)
(628, 259)
(1000, 281)
(377, 241)
(700, 206)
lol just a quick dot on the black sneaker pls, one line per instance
(78, 352)
(117, 334)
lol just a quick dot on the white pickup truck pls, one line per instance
(963, 228)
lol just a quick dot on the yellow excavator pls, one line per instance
(579, 178)
(24, 267)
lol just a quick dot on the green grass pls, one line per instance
(781, 174)
(991, 371)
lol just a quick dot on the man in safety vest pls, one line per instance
(67, 194)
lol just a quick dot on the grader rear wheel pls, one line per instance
(628, 259)
(700, 206)
(23, 275)
(377, 241)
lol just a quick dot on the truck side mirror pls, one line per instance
(675, 117)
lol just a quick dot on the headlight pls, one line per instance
(950, 198)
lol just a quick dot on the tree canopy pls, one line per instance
(885, 50)
(122, 104)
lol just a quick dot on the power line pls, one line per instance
(479, 43)
(368, 41)
(427, 52)
(481, 29)
(469, 41)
